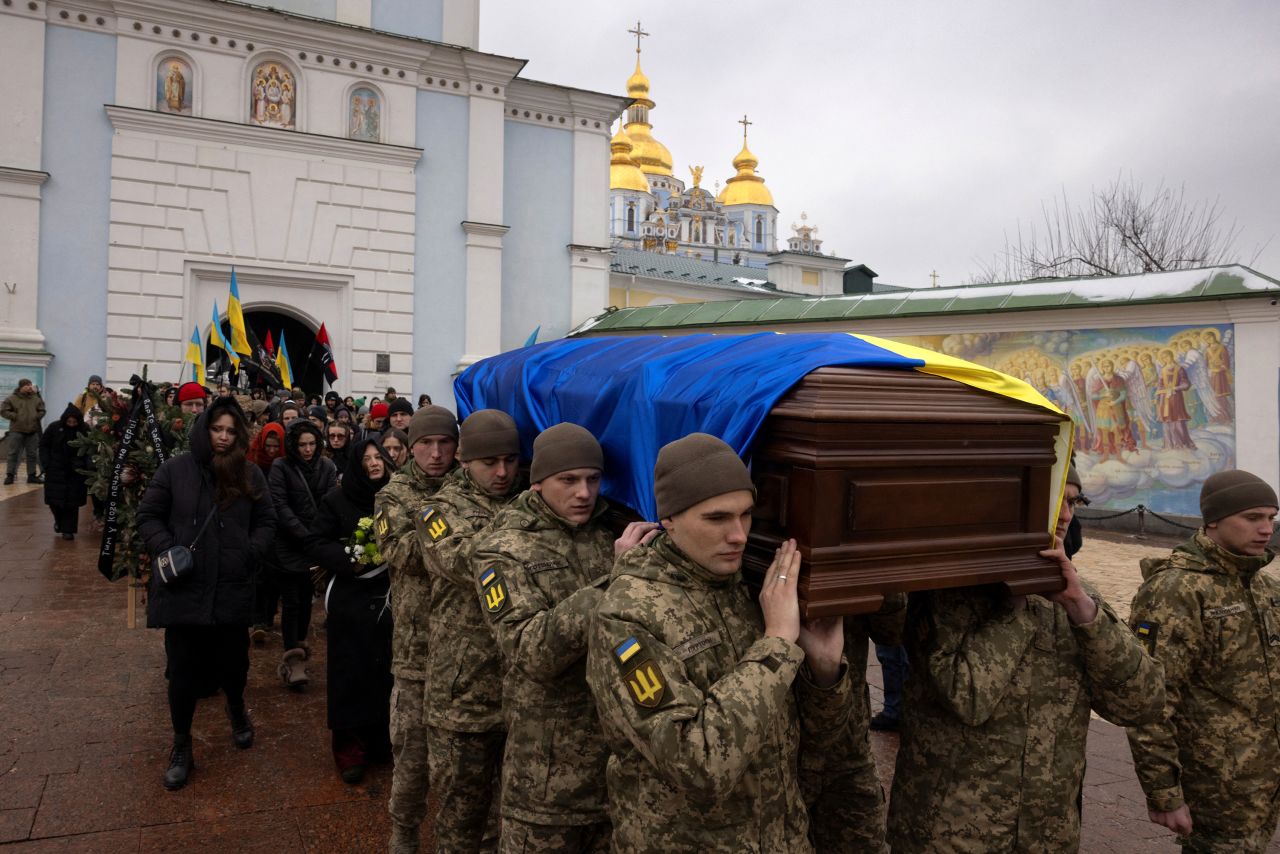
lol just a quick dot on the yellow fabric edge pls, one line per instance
(989, 379)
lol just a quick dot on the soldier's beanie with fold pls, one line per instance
(564, 447)
(1073, 477)
(488, 433)
(693, 469)
(400, 404)
(432, 421)
(1229, 492)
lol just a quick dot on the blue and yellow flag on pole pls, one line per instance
(195, 355)
(637, 393)
(216, 338)
(235, 314)
(282, 363)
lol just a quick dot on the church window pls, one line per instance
(759, 229)
(364, 109)
(273, 95)
(631, 217)
(174, 85)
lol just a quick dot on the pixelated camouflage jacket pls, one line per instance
(396, 510)
(996, 714)
(538, 578)
(1213, 619)
(703, 712)
(464, 668)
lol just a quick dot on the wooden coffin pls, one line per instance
(895, 481)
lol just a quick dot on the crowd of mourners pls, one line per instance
(561, 688)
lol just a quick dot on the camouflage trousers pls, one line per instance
(466, 768)
(849, 815)
(521, 837)
(410, 774)
(1211, 842)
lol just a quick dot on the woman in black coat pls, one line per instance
(298, 481)
(206, 614)
(64, 486)
(359, 622)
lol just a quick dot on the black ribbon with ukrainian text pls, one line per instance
(142, 415)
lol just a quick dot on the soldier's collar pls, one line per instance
(1218, 556)
(687, 568)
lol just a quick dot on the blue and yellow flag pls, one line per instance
(235, 314)
(637, 393)
(216, 338)
(195, 355)
(282, 363)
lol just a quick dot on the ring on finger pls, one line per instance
(782, 577)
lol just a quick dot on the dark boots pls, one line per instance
(181, 763)
(241, 727)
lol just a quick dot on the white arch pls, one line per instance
(246, 85)
(383, 111)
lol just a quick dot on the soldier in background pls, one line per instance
(993, 741)
(1210, 765)
(433, 445)
(464, 668)
(703, 695)
(542, 567)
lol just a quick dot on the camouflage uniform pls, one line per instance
(539, 579)
(992, 756)
(396, 510)
(703, 713)
(1213, 619)
(464, 667)
(842, 786)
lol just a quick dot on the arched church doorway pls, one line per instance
(298, 336)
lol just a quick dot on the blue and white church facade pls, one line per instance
(359, 162)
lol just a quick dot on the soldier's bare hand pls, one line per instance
(1080, 606)
(778, 598)
(1179, 820)
(822, 640)
(636, 534)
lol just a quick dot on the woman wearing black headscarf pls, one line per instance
(64, 486)
(359, 621)
(213, 497)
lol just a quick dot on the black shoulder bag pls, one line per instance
(174, 564)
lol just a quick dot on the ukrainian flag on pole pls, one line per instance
(217, 339)
(195, 355)
(282, 363)
(235, 314)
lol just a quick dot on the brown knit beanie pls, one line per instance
(488, 433)
(563, 447)
(696, 468)
(432, 421)
(1230, 492)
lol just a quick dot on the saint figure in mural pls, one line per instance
(1140, 405)
(365, 112)
(1109, 394)
(172, 93)
(273, 95)
(1218, 359)
(1171, 407)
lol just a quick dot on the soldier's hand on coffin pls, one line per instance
(778, 598)
(822, 640)
(1080, 606)
(636, 534)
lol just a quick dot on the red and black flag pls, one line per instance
(323, 350)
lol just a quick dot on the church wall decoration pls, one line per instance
(1153, 406)
(273, 96)
(364, 111)
(174, 85)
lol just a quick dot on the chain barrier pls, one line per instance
(1142, 510)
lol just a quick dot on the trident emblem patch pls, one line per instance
(494, 591)
(437, 527)
(646, 685)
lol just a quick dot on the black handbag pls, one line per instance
(174, 564)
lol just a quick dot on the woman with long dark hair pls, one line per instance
(298, 482)
(359, 621)
(64, 486)
(213, 500)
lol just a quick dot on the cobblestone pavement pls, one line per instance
(86, 734)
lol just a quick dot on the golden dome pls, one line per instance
(651, 156)
(623, 172)
(746, 187)
(637, 83)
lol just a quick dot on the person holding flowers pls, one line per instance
(359, 619)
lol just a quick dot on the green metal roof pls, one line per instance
(1208, 283)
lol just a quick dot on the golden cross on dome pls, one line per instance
(639, 34)
(934, 277)
(743, 121)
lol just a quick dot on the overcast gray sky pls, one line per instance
(916, 134)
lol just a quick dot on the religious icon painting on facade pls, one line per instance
(365, 111)
(173, 86)
(272, 96)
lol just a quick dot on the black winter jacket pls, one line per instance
(219, 590)
(64, 485)
(297, 488)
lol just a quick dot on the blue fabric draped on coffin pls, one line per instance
(636, 394)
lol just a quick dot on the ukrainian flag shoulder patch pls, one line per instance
(493, 591)
(1146, 632)
(627, 650)
(436, 525)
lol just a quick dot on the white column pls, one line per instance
(1257, 386)
(484, 228)
(589, 253)
(461, 24)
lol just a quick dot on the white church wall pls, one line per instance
(80, 71)
(21, 91)
(422, 19)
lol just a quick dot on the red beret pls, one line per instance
(379, 410)
(191, 391)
